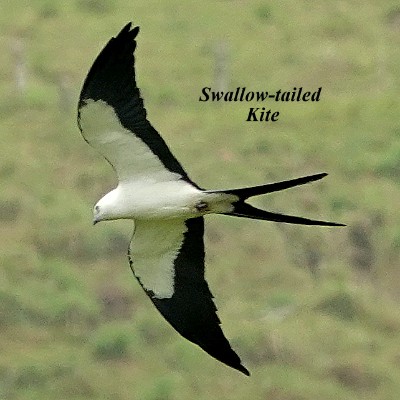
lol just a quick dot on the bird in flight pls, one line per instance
(166, 252)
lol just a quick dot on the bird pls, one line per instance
(166, 253)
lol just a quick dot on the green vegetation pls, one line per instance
(313, 312)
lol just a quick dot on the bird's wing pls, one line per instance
(167, 258)
(112, 117)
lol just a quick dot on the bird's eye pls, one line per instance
(97, 209)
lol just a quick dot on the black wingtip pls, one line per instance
(127, 27)
(126, 30)
(244, 370)
(113, 69)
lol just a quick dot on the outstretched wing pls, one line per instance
(167, 258)
(112, 117)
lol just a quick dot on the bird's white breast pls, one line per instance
(149, 200)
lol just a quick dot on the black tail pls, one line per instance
(242, 209)
(245, 193)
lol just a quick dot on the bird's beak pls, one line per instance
(95, 221)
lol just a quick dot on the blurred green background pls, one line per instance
(313, 312)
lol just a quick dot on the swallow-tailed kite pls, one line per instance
(166, 253)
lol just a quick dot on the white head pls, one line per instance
(105, 208)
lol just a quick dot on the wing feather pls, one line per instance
(167, 258)
(112, 117)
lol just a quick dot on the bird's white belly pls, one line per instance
(169, 199)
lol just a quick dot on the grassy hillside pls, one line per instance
(313, 312)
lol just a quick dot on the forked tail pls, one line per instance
(243, 209)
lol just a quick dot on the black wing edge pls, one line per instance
(191, 310)
(112, 79)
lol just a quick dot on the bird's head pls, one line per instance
(98, 214)
(104, 209)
